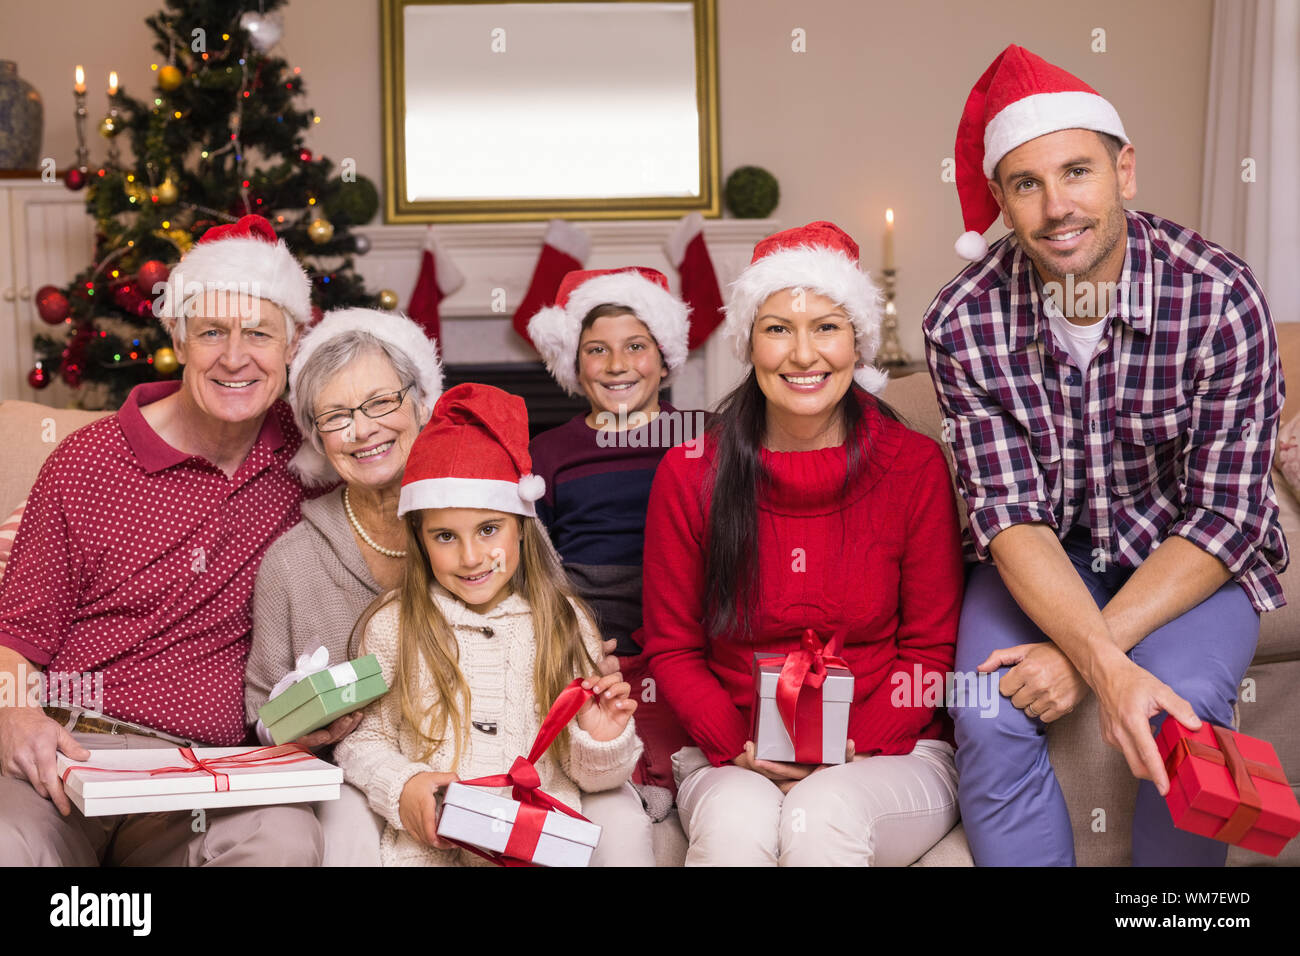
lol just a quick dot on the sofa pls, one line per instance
(1098, 787)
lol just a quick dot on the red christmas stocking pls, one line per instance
(564, 249)
(687, 251)
(438, 279)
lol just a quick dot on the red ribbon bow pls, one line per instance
(1243, 772)
(798, 691)
(534, 802)
(259, 757)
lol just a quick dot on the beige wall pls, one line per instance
(859, 122)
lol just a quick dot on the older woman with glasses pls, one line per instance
(362, 384)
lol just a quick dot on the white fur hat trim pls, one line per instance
(816, 269)
(555, 331)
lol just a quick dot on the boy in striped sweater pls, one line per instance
(617, 336)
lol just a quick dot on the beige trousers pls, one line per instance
(625, 838)
(33, 833)
(882, 811)
(352, 830)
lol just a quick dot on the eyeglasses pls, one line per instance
(340, 418)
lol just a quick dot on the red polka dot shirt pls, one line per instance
(137, 560)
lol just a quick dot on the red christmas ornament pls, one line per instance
(125, 294)
(72, 373)
(75, 179)
(305, 155)
(38, 378)
(51, 304)
(144, 308)
(150, 274)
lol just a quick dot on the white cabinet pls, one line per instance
(46, 238)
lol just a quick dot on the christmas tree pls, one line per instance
(219, 137)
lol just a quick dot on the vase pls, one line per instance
(22, 120)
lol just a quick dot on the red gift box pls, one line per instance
(1227, 786)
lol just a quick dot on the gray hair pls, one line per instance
(331, 358)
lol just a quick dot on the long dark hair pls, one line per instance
(731, 568)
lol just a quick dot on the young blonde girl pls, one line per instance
(478, 641)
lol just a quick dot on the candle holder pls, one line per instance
(114, 159)
(891, 350)
(83, 153)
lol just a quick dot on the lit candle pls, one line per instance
(81, 80)
(112, 83)
(889, 239)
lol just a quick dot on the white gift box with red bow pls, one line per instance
(160, 779)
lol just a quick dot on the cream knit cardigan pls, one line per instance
(497, 652)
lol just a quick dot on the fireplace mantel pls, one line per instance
(498, 259)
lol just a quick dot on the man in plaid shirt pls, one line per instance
(1110, 385)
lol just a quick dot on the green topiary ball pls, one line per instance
(353, 204)
(752, 193)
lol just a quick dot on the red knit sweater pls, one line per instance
(883, 561)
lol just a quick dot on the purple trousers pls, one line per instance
(1011, 804)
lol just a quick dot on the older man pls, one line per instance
(135, 561)
(1112, 386)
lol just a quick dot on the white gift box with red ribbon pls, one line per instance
(160, 779)
(487, 820)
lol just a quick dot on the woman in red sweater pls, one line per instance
(811, 506)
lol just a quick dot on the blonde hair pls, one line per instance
(424, 636)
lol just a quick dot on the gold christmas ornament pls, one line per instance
(387, 299)
(167, 192)
(164, 360)
(169, 77)
(136, 191)
(320, 231)
(108, 127)
(180, 238)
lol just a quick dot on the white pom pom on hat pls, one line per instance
(971, 246)
(819, 257)
(532, 487)
(1018, 98)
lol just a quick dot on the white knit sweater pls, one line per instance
(497, 654)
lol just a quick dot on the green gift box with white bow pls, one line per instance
(321, 698)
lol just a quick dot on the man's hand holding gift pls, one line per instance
(29, 742)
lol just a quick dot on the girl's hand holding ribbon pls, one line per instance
(605, 715)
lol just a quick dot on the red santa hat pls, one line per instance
(822, 258)
(473, 454)
(1020, 97)
(555, 331)
(245, 257)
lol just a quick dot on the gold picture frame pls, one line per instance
(399, 208)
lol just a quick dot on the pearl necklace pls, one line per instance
(347, 506)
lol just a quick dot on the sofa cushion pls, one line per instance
(33, 431)
(1267, 710)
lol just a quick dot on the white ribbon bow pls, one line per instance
(307, 664)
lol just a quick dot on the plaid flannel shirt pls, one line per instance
(1170, 431)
